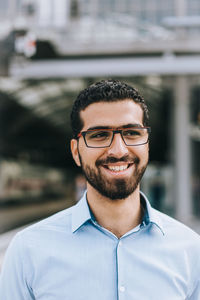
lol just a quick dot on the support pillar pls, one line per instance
(182, 150)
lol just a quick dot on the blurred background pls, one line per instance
(49, 51)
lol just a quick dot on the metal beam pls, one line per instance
(107, 67)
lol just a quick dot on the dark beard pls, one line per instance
(118, 188)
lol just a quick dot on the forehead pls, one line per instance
(112, 114)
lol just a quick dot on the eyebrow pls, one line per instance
(130, 125)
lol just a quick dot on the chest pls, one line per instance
(108, 269)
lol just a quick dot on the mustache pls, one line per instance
(112, 159)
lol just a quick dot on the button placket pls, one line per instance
(121, 284)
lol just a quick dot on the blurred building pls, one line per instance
(74, 27)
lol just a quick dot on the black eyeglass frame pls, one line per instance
(114, 131)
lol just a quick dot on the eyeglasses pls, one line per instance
(102, 138)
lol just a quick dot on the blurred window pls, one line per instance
(147, 10)
(193, 7)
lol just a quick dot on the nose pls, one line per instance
(118, 147)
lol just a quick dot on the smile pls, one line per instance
(118, 168)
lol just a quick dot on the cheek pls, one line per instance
(89, 156)
(142, 151)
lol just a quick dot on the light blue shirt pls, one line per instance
(68, 256)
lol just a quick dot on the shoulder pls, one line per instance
(39, 237)
(177, 231)
(56, 224)
(32, 243)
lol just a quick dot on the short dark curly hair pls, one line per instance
(104, 91)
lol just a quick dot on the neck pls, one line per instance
(118, 216)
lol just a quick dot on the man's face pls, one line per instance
(101, 165)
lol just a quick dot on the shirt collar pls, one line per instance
(151, 215)
(81, 214)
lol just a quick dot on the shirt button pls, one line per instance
(122, 289)
(120, 243)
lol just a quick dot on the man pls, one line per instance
(112, 244)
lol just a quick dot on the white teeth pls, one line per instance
(118, 168)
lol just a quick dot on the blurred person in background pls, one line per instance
(112, 244)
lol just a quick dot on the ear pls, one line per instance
(74, 151)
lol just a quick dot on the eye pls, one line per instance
(98, 135)
(132, 133)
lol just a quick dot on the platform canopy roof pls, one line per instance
(34, 119)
